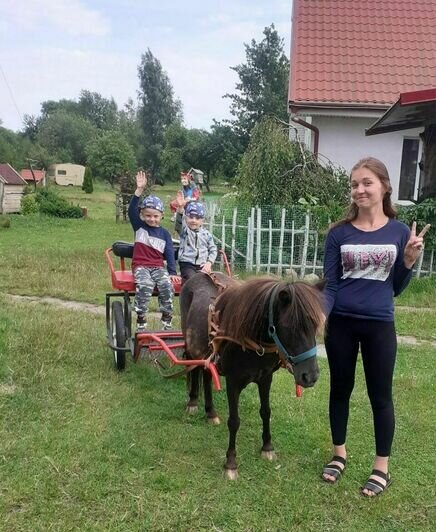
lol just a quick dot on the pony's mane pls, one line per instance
(246, 308)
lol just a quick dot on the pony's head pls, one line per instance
(297, 318)
(288, 314)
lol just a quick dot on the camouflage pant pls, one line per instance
(146, 279)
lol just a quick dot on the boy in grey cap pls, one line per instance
(197, 251)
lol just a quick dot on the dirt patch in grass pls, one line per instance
(62, 303)
(100, 310)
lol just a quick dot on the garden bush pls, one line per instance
(53, 205)
(5, 222)
(29, 204)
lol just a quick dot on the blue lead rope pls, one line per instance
(273, 334)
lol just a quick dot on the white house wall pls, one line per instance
(342, 140)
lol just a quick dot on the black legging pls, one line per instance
(378, 345)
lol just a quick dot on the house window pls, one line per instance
(409, 173)
(62, 172)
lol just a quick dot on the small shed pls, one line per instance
(26, 174)
(67, 174)
(11, 189)
(197, 175)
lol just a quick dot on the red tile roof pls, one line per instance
(10, 176)
(26, 174)
(361, 52)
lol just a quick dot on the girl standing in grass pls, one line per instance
(368, 259)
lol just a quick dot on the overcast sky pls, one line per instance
(51, 49)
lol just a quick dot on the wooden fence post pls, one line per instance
(270, 234)
(305, 246)
(419, 267)
(282, 237)
(258, 238)
(223, 234)
(247, 260)
(117, 207)
(315, 253)
(233, 244)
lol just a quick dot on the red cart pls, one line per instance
(119, 322)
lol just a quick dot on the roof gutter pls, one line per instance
(312, 128)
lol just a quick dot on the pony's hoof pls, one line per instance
(231, 474)
(191, 409)
(214, 420)
(268, 455)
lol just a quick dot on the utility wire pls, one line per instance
(11, 94)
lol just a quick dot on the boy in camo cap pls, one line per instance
(153, 245)
(197, 251)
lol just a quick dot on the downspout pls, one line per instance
(312, 128)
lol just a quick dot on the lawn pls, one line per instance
(85, 448)
(65, 258)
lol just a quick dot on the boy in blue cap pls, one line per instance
(153, 245)
(197, 251)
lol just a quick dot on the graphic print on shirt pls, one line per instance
(368, 261)
(143, 237)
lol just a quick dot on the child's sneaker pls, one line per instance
(141, 327)
(141, 324)
(167, 325)
(167, 322)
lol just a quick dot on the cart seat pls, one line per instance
(123, 279)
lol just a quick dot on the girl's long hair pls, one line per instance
(380, 170)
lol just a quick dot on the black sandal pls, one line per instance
(333, 469)
(374, 485)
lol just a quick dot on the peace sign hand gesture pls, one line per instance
(414, 246)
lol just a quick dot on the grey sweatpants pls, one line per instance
(146, 279)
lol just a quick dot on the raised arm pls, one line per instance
(407, 258)
(179, 213)
(133, 212)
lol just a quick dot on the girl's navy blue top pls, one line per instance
(365, 270)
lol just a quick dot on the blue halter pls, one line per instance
(294, 360)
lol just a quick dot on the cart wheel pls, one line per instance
(118, 335)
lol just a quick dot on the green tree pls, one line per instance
(101, 112)
(130, 127)
(14, 148)
(224, 151)
(111, 156)
(88, 186)
(158, 107)
(275, 171)
(171, 158)
(65, 136)
(263, 84)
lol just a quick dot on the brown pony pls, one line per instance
(264, 324)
